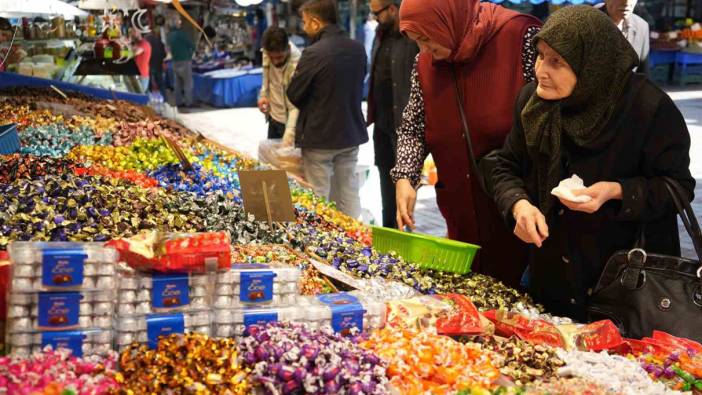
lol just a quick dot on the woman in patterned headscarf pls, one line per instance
(589, 114)
(489, 49)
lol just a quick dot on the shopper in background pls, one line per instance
(328, 89)
(280, 58)
(589, 115)
(392, 63)
(369, 30)
(489, 47)
(634, 28)
(259, 26)
(142, 57)
(182, 48)
(158, 55)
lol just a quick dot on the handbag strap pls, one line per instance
(464, 121)
(687, 215)
(637, 256)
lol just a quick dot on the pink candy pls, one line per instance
(24, 376)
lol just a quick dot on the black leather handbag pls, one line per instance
(642, 292)
(482, 167)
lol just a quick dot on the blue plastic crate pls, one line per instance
(9, 139)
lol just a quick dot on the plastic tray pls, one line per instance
(429, 252)
(81, 342)
(144, 293)
(9, 139)
(59, 266)
(80, 310)
(256, 285)
(147, 328)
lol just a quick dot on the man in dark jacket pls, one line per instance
(393, 58)
(327, 88)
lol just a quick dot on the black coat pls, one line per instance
(651, 141)
(404, 54)
(327, 88)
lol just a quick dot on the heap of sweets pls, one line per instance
(190, 363)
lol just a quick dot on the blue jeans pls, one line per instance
(332, 174)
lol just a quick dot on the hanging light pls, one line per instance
(246, 3)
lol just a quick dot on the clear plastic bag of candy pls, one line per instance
(284, 157)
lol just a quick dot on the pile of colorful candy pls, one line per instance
(197, 180)
(485, 292)
(348, 255)
(674, 361)
(74, 208)
(567, 386)
(16, 166)
(420, 363)
(520, 361)
(292, 359)
(125, 133)
(132, 176)
(57, 140)
(142, 155)
(615, 373)
(23, 116)
(99, 124)
(57, 373)
(183, 364)
(306, 199)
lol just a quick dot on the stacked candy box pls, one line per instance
(343, 312)
(150, 305)
(257, 285)
(148, 328)
(61, 295)
(255, 294)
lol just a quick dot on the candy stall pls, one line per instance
(130, 264)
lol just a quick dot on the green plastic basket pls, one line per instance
(429, 252)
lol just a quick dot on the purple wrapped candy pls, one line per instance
(356, 389)
(291, 387)
(332, 387)
(331, 374)
(250, 358)
(262, 354)
(311, 361)
(286, 373)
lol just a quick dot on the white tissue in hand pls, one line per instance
(565, 189)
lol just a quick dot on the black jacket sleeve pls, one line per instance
(302, 81)
(666, 153)
(513, 163)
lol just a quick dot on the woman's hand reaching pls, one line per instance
(531, 225)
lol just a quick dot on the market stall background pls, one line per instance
(94, 165)
(98, 170)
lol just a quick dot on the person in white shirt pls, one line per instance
(634, 28)
(280, 58)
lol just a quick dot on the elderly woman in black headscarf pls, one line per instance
(588, 114)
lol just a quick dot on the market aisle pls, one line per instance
(243, 128)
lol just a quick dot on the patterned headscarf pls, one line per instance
(603, 61)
